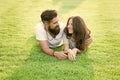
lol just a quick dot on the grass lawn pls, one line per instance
(22, 59)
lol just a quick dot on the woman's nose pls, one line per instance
(68, 26)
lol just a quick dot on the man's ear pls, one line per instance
(46, 23)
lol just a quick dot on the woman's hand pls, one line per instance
(71, 54)
(75, 50)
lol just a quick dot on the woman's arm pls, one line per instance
(65, 43)
(88, 41)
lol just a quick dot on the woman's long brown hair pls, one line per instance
(80, 32)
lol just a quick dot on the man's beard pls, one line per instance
(54, 31)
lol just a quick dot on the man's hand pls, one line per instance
(60, 55)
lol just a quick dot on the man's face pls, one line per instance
(54, 26)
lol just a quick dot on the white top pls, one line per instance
(42, 34)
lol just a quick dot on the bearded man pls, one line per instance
(49, 34)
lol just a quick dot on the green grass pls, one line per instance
(22, 59)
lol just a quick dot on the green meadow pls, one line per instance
(22, 59)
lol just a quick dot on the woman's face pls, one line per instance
(70, 26)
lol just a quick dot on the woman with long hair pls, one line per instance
(77, 36)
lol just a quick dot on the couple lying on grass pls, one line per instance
(74, 36)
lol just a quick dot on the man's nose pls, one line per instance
(57, 24)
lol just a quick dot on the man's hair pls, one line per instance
(48, 15)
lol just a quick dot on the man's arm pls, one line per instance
(47, 50)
